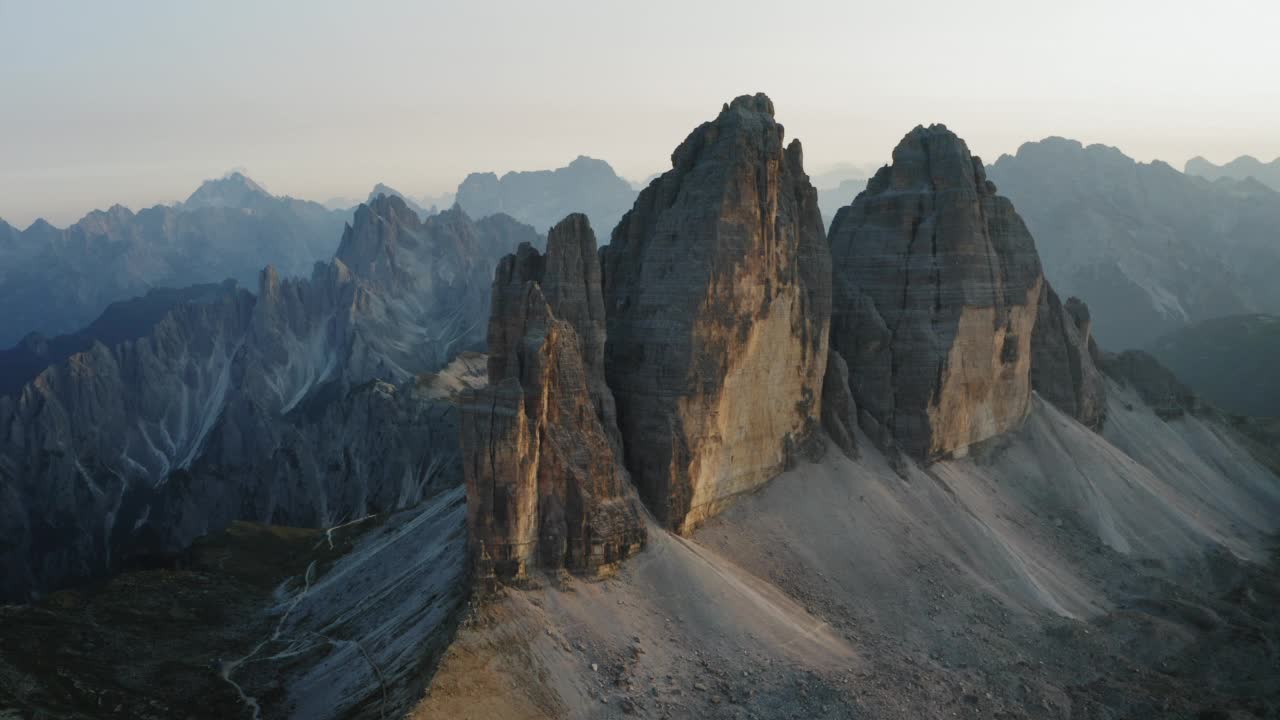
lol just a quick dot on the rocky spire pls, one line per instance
(1062, 366)
(545, 483)
(936, 289)
(718, 298)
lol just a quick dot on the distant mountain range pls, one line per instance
(541, 198)
(55, 281)
(313, 401)
(831, 200)
(1149, 248)
(1243, 167)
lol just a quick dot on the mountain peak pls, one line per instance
(384, 189)
(1243, 167)
(758, 103)
(40, 225)
(235, 189)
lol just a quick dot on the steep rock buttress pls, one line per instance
(936, 288)
(718, 298)
(545, 483)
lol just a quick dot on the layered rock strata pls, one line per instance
(545, 483)
(1062, 366)
(718, 298)
(936, 289)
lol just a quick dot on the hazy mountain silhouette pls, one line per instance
(832, 199)
(542, 198)
(1149, 248)
(54, 281)
(1245, 166)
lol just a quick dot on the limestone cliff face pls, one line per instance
(545, 483)
(718, 299)
(936, 290)
(1062, 367)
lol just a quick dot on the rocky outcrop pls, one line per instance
(1154, 383)
(219, 411)
(1062, 367)
(936, 289)
(839, 410)
(717, 293)
(545, 483)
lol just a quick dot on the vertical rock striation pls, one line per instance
(718, 298)
(1062, 367)
(545, 483)
(936, 289)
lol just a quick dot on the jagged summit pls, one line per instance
(717, 293)
(40, 226)
(383, 189)
(545, 483)
(234, 190)
(936, 287)
(758, 103)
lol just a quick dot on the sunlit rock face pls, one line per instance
(545, 482)
(936, 289)
(718, 299)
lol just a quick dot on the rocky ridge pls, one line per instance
(220, 411)
(545, 482)
(56, 280)
(1063, 367)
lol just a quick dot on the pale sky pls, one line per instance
(137, 102)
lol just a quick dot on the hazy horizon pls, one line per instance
(137, 105)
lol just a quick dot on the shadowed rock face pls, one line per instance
(839, 410)
(1062, 367)
(936, 288)
(718, 297)
(545, 483)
